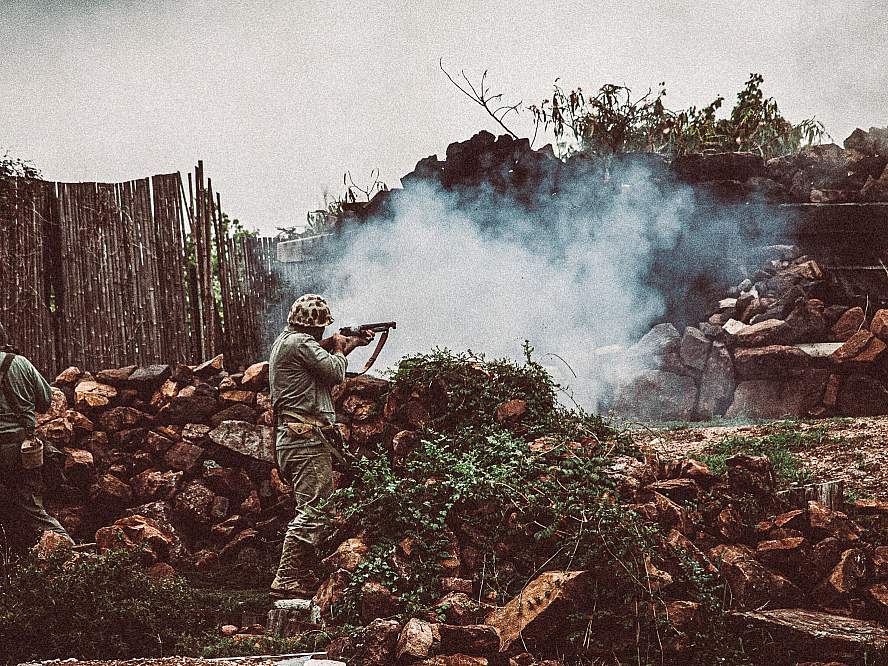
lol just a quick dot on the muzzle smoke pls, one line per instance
(580, 273)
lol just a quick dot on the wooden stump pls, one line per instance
(829, 493)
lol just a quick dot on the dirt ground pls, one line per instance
(854, 450)
(190, 661)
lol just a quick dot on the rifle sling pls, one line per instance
(379, 346)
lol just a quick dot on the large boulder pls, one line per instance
(255, 377)
(192, 404)
(659, 348)
(763, 333)
(245, 438)
(694, 348)
(136, 533)
(716, 383)
(656, 395)
(769, 362)
(765, 399)
(862, 395)
(93, 395)
(809, 634)
(861, 349)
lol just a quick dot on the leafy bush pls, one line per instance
(613, 121)
(93, 607)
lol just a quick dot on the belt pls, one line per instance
(327, 431)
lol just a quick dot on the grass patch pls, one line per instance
(781, 446)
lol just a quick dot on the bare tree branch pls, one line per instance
(480, 96)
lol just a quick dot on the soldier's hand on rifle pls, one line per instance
(365, 338)
(347, 345)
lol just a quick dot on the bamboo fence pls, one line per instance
(102, 275)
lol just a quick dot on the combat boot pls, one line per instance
(295, 578)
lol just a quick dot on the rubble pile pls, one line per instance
(809, 577)
(177, 460)
(827, 173)
(774, 347)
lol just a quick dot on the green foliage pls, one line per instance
(17, 167)
(528, 498)
(93, 607)
(612, 121)
(780, 446)
(474, 387)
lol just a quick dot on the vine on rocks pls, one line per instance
(511, 500)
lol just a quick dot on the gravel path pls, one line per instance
(853, 450)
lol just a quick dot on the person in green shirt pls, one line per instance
(303, 368)
(21, 487)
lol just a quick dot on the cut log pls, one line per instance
(828, 493)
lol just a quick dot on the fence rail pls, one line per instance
(103, 275)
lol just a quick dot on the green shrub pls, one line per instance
(93, 607)
(780, 446)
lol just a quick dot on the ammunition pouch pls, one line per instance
(305, 427)
(31, 453)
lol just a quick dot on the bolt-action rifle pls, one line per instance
(356, 331)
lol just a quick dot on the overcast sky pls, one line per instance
(280, 98)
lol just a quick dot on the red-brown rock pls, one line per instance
(459, 608)
(93, 395)
(194, 502)
(183, 457)
(256, 377)
(849, 323)
(238, 397)
(879, 325)
(377, 601)
(350, 554)
(763, 333)
(511, 411)
(862, 348)
(136, 532)
(539, 608)
(844, 579)
(752, 585)
(79, 466)
(122, 418)
(471, 639)
(826, 522)
(418, 640)
(109, 493)
(679, 490)
(862, 395)
(152, 485)
(754, 474)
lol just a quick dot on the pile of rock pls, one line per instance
(175, 459)
(155, 459)
(772, 348)
(179, 460)
(809, 576)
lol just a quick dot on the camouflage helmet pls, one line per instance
(310, 310)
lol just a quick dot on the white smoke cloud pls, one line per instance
(574, 290)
